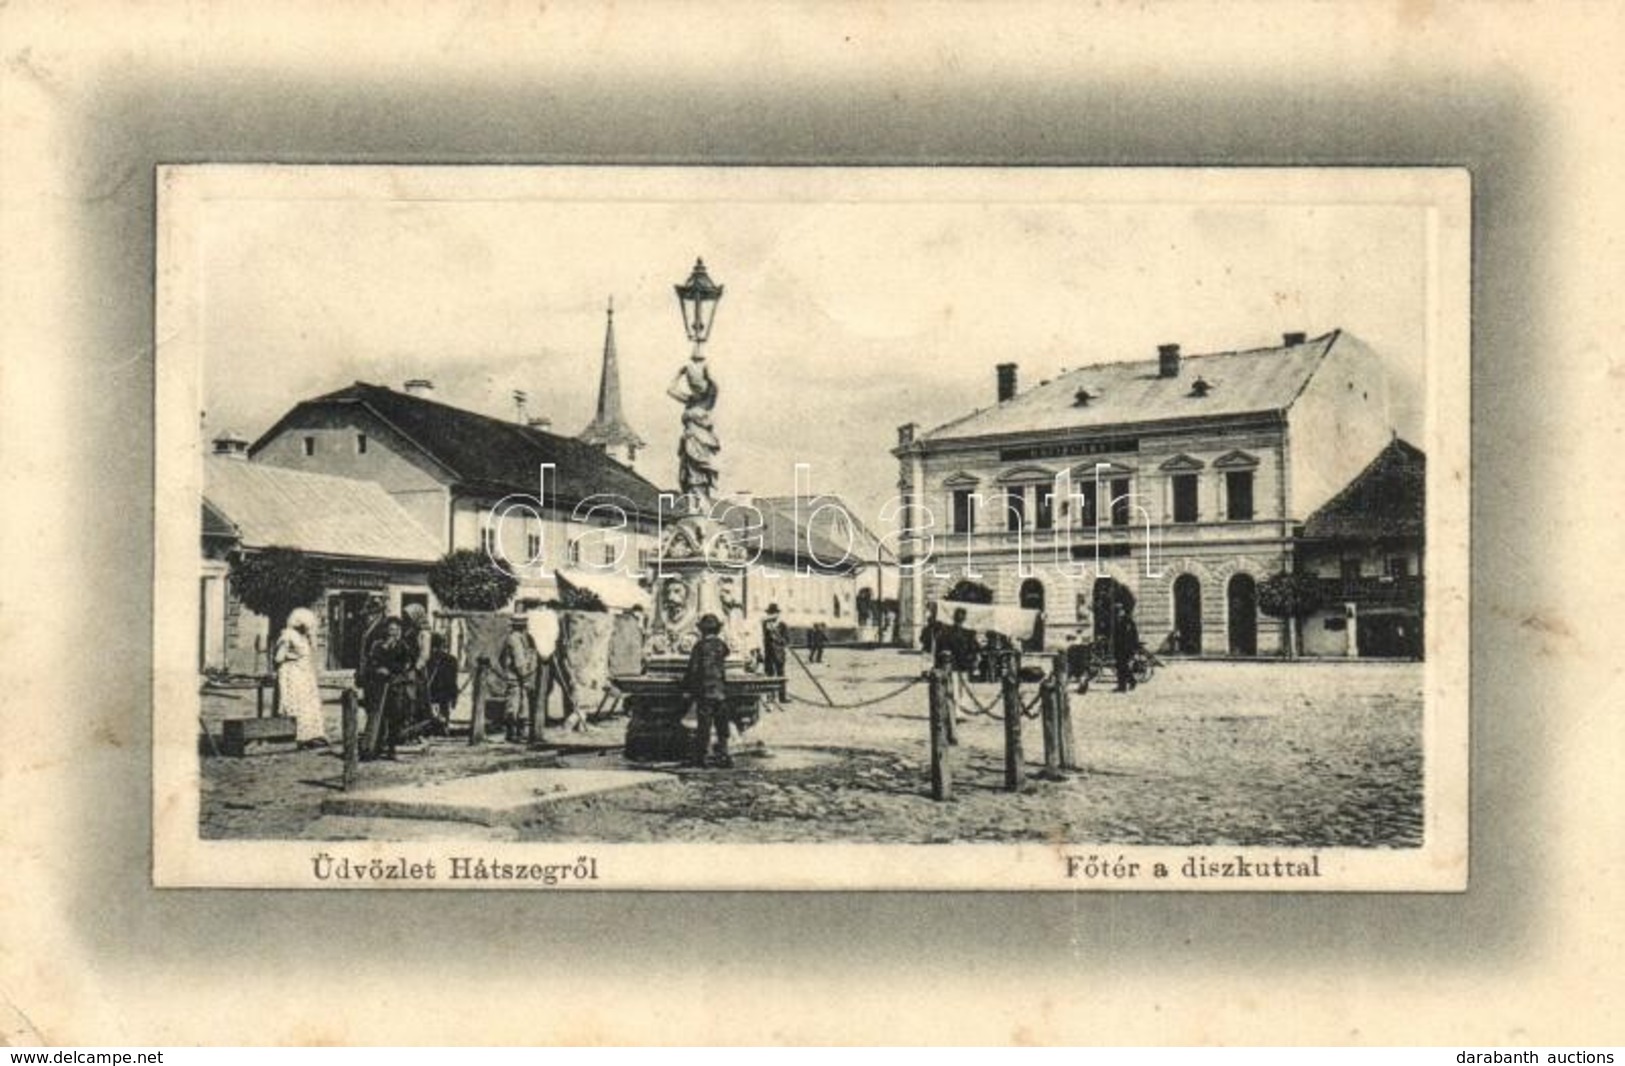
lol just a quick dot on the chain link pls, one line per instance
(851, 706)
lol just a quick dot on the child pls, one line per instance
(442, 684)
(706, 684)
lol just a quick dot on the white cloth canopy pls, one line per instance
(1014, 622)
(617, 592)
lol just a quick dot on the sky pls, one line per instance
(844, 315)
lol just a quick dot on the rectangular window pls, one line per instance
(361, 444)
(1184, 497)
(488, 542)
(1238, 493)
(609, 554)
(575, 551)
(1337, 624)
(1087, 510)
(964, 513)
(1015, 509)
(1120, 501)
(1399, 566)
(310, 445)
(1045, 518)
(533, 547)
(1349, 570)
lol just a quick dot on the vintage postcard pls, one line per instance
(655, 528)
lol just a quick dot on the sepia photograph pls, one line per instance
(1051, 528)
(900, 523)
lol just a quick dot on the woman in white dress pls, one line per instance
(299, 696)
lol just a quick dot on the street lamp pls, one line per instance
(698, 298)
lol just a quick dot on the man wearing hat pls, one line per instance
(518, 661)
(706, 684)
(775, 642)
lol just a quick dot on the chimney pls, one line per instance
(231, 445)
(1292, 340)
(1167, 360)
(419, 387)
(905, 434)
(541, 422)
(1007, 381)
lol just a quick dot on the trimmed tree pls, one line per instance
(468, 580)
(1291, 597)
(967, 591)
(273, 582)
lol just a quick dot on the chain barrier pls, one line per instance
(995, 708)
(852, 706)
(978, 708)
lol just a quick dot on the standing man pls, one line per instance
(775, 641)
(1125, 641)
(817, 640)
(372, 633)
(706, 684)
(518, 662)
(420, 640)
(392, 693)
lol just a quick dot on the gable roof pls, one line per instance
(488, 454)
(1255, 381)
(268, 506)
(1386, 499)
(820, 537)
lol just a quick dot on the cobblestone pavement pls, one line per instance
(1245, 753)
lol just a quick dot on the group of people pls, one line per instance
(977, 658)
(973, 657)
(408, 680)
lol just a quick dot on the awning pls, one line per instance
(1014, 622)
(616, 592)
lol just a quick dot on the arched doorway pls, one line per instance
(1243, 615)
(1032, 599)
(1188, 614)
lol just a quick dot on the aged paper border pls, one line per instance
(189, 195)
(96, 95)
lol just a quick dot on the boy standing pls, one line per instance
(706, 683)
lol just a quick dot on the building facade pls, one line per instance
(539, 501)
(1184, 479)
(366, 545)
(1367, 545)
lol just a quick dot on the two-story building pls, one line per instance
(1184, 478)
(536, 500)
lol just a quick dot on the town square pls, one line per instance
(752, 594)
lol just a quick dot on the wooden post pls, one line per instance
(950, 707)
(476, 732)
(941, 689)
(1014, 763)
(259, 697)
(1065, 742)
(1050, 704)
(352, 739)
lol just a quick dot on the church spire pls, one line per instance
(609, 429)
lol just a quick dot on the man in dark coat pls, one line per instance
(963, 643)
(817, 640)
(775, 642)
(391, 692)
(706, 684)
(1125, 642)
